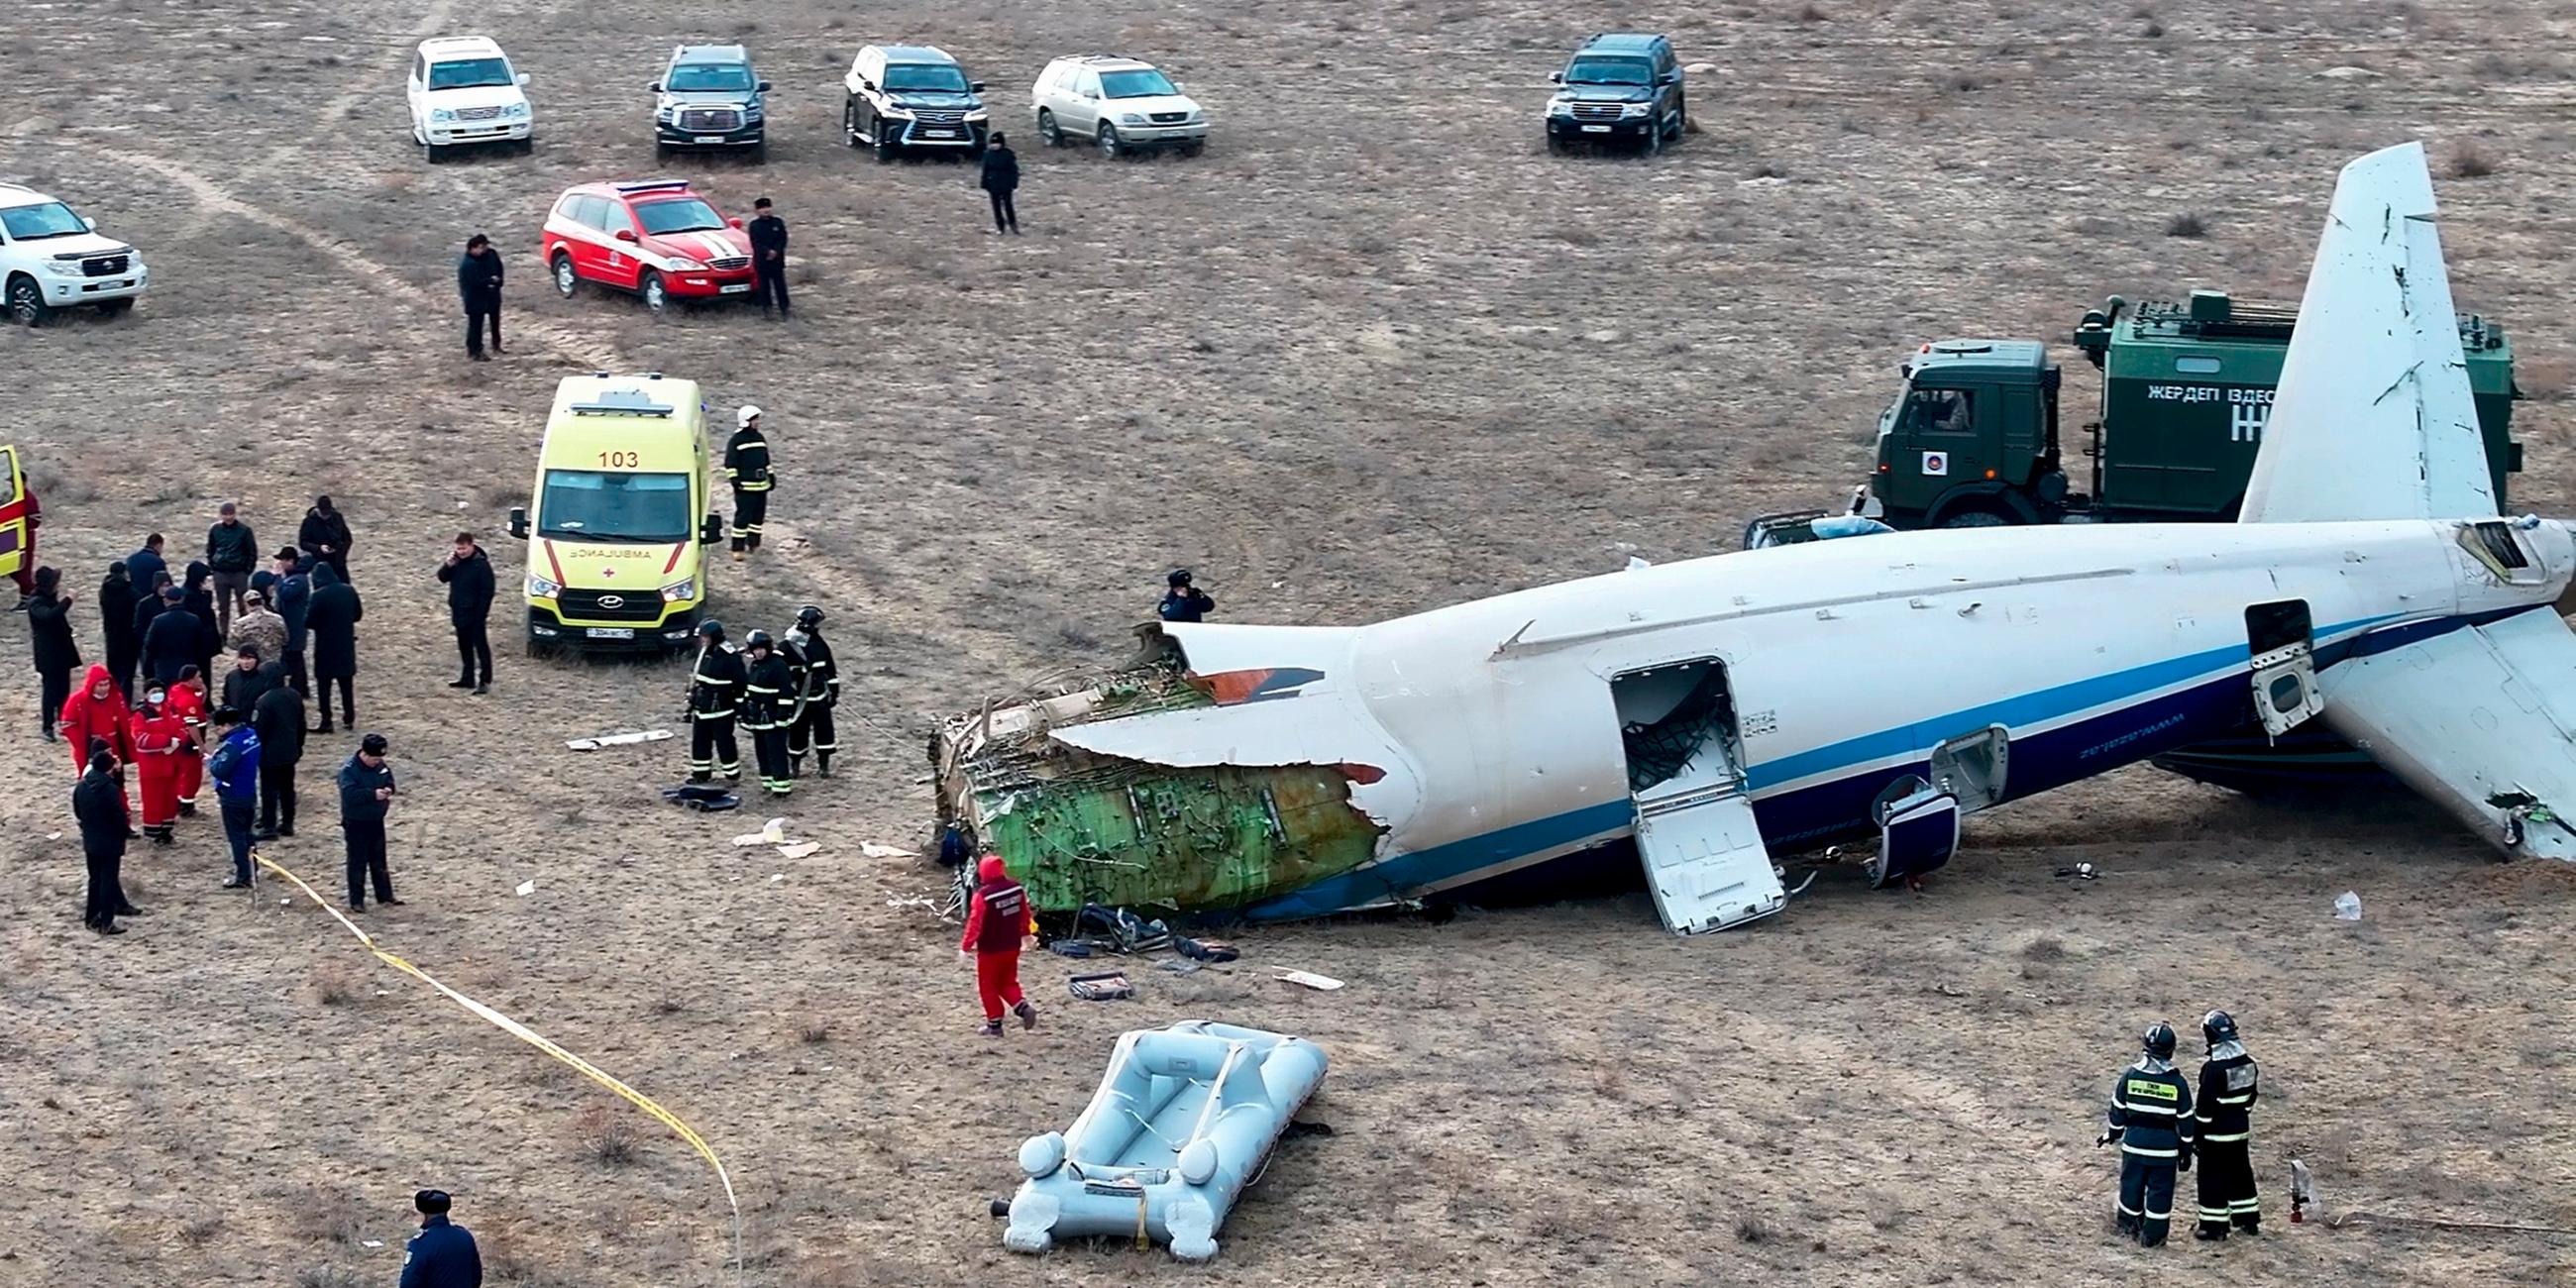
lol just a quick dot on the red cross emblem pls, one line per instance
(607, 572)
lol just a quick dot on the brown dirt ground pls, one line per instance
(1375, 351)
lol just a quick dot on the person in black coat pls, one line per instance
(478, 283)
(99, 805)
(468, 574)
(197, 595)
(325, 532)
(49, 629)
(1000, 178)
(248, 680)
(331, 626)
(146, 564)
(288, 583)
(769, 256)
(278, 719)
(443, 1254)
(118, 597)
(169, 639)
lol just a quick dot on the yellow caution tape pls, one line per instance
(539, 1041)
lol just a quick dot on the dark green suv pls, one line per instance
(1618, 88)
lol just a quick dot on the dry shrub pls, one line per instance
(605, 1134)
(2470, 161)
(1751, 1228)
(813, 1030)
(326, 1216)
(329, 1276)
(334, 985)
(2188, 226)
(2046, 948)
(1811, 14)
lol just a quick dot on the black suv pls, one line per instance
(1619, 87)
(709, 97)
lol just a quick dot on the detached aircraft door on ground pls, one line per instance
(1703, 852)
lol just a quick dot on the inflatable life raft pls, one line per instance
(1180, 1124)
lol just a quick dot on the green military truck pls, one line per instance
(2186, 390)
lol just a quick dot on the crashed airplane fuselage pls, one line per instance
(1721, 710)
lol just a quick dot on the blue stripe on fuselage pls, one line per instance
(1820, 812)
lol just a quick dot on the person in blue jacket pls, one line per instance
(443, 1254)
(366, 793)
(235, 768)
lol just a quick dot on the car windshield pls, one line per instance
(52, 219)
(938, 78)
(1609, 71)
(679, 215)
(469, 73)
(588, 505)
(709, 78)
(1140, 83)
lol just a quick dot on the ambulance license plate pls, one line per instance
(733, 288)
(1596, 129)
(609, 632)
(710, 138)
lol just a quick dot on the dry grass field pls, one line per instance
(1375, 350)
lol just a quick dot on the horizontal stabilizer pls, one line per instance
(2373, 418)
(2482, 721)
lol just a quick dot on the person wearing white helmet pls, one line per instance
(746, 467)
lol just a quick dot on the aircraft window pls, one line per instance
(1943, 411)
(2288, 694)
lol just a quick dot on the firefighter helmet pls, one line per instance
(2159, 1040)
(2217, 1027)
(757, 639)
(809, 616)
(711, 629)
(748, 414)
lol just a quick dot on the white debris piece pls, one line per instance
(528, 886)
(799, 850)
(875, 851)
(618, 739)
(53, 836)
(1308, 979)
(2348, 906)
(378, 1243)
(773, 832)
(776, 877)
(1636, 564)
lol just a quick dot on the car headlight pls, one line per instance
(1635, 109)
(680, 591)
(441, 114)
(1130, 118)
(751, 113)
(895, 113)
(518, 111)
(540, 588)
(63, 267)
(663, 113)
(1560, 107)
(684, 264)
(978, 114)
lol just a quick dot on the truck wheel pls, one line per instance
(27, 302)
(1556, 146)
(1974, 517)
(656, 296)
(1049, 132)
(1193, 147)
(850, 124)
(566, 280)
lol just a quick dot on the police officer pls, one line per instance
(715, 692)
(768, 708)
(443, 1254)
(2225, 1120)
(746, 467)
(820, 682)
(1183, 602)
(2150, 1116)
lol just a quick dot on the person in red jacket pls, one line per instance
(97, 710)
(999, 922)
(161, 744)
(188, 702)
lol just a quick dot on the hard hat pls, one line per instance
(747, 415)
(757, 639)
(2217, 1027)
(1177, 577)
(711, 629)
(809, 615)
(2159, 1040)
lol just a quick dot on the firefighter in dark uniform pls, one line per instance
(2226, 1123)
(1183, 602)
(2150, 1116)
(768, 708)
(715, 693)
(746, 467)
(820, 681)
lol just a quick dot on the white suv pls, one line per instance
(463, 91)
(1119, 104)
(50, 258)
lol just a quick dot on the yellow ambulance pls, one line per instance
(620, 524)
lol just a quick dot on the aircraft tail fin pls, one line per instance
(2373, 418)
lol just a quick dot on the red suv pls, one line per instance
(657, 239)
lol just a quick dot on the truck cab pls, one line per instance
(1971, 440)
(618, 550)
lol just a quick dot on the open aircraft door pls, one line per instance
(2282, 650)
(1703, 852)
(16, 518)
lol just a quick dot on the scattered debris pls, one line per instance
(53, 836)
(2349, 72)
(706, 798)
(1105, 986)
(875, 851)
(1308, 979)
(1637, 564)
(2081, 872)
(773, 832)
(617, 740)
(375, 1243)
(776, 877)
(799, 850)
(1205, 950)
(528, 886)
(2348, 906)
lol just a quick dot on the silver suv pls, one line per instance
(709, 97)
(1118, 105)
